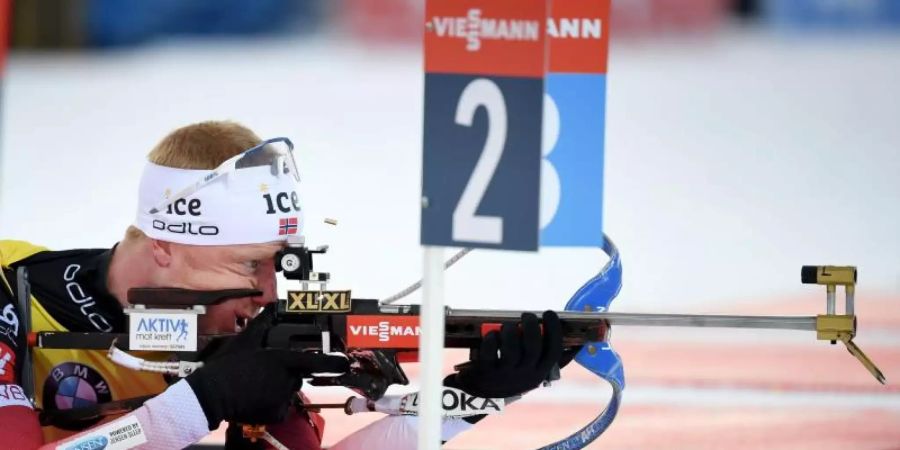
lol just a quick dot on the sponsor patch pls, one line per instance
(74, 385)
(7, 364)
(318, 301)
(85, 303)
(287, 226)
(186, 228)
(456, 403)
(162, 331)
(8, 333)
(383, 331)
(10, 318)
(121, 434)
(13, 395)
(90, 443)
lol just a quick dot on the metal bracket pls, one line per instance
(838, 327)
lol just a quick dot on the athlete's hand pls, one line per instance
(256, 386)
(525, 358)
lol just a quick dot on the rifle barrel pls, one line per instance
(803, 323)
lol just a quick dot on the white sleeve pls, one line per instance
(397, 433)
(173, 419)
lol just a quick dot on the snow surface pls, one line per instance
(730, 161)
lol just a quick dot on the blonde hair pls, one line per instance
(202, 145)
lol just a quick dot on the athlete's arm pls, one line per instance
(167, 417)
(172, 419)
(20, 423)
(253, 386)
(397, 433)
(510, 362)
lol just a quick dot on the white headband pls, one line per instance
(247, 206)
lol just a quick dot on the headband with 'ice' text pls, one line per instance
(249, 205)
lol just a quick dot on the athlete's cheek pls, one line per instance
(218, 319)
(268, 285)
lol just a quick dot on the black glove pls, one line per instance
(568, 354)
(525, 359)
(256, 386)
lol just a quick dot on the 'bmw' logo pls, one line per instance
(72, 386)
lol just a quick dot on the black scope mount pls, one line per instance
(296, 263)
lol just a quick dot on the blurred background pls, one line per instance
(743, 140)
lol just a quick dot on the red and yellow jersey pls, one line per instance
(68, 293)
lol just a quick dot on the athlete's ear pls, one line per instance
(162, 252)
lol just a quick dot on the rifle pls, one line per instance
(377, 336)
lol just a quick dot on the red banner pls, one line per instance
(501, 37)
(383, 331)
(578, 31)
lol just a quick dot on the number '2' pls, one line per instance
(468, 226)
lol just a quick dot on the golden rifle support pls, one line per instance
(839, 327)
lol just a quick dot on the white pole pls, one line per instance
(431, 348)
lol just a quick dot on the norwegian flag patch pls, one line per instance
(287, 226)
